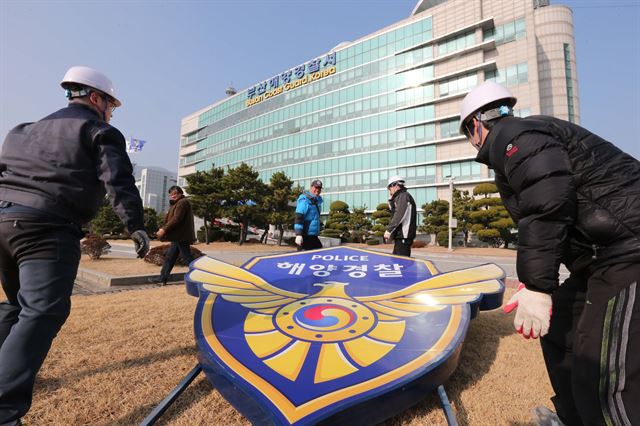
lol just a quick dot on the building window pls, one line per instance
(567, 73)
(514, 30)
(461, 170)
(449, 129)
(509, 76)
(457, 43)
(458, 84)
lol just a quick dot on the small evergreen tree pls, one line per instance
(106, 221)
(491, 221)
(359, 224)
(280, 202)
(206, 196)
(337, 225)
(244, 193)
(436, 220)
(150, 220)
(462, 208)
(382, 217)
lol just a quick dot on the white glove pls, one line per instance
(298, 240)
(387, 235)
(141, 242)
(533, 314)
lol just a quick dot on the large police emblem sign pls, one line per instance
(308, 336)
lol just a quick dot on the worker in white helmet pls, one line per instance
(54, 175)
(576, 200)
(402, 227)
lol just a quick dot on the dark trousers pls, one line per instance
(591, 351)
(177, 247)
(39, 259)
(310, 242)
(402, 247)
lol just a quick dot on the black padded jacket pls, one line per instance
(65, 163)
(574, 196)
(403, 216)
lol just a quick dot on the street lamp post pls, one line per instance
(451, 224)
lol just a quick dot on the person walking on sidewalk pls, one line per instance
(307, 223)
(402, 227)
(179, 229)
(576, 200)
(54, 174)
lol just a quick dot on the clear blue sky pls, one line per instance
(168, 59)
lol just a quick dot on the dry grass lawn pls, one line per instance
(117, 266)
(119, 355)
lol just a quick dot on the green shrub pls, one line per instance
(215, 234)
(420, 243)
(373, 242)
(443, 238)
(232, 236)
(339, 206)
(94, 246)
(332, 233)
(359, 237)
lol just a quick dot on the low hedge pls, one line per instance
(158, 254)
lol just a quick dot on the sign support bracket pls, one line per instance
(446, 407)
(157, 412)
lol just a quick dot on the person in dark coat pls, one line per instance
(54, 175)
(576, 200)
(402, 227)
(179, 229)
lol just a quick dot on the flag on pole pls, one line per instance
(135, 145)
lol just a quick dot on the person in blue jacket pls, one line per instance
(307, 225)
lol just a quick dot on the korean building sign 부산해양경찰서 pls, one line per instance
(299, 76)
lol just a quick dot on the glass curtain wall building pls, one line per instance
(388, 103)
(153, 184)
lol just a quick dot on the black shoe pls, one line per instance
(16, 422)
(156, 280)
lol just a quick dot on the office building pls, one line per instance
(388, 103)
(153, 184)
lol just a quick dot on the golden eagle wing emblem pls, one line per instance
(240, 286)
(435, 293)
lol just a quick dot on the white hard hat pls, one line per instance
(89, 77)
(484, 94)
(395, 179)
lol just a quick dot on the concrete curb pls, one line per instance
(102, 279)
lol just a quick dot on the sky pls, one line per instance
(168, 59)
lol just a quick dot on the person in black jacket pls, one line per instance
(576, 200)
(402, 227)
(53, 177)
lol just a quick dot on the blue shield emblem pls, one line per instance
(302, 337)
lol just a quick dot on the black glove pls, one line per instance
(141, 241)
